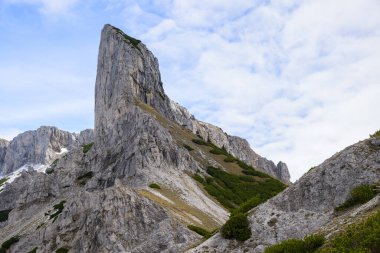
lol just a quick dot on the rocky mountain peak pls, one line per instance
(39, 146)
(128, 73)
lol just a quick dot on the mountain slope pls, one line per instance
(308, 205)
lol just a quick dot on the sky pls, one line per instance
(300, 80)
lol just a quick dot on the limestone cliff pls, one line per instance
(129, 72)
(41, 146)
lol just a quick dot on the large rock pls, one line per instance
(3, 150)
(127, 73)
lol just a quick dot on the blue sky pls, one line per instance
(298, 79)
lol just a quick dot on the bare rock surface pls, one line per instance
(3, 150)
(41, 146)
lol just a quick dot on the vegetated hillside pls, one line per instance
(342, 190)
(151, 179)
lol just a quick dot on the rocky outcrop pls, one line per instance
(41, 146)
(3, 150)
(127, 72)
(307, 205)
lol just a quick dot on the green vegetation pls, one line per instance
(230, 159)
(59, 208)
(3, 180)
(62, 250)
(4, 215)
(82, 180)
(7, 244)
(309, 245)
(200, 142)
(134, 42)
(203, 232)
(233, 190)
(376, 134)
(87, 147)
(360, 237)
(188, 147)
(238, 193)
(248, 205)
(52, 166)
(237, 227)
(161, 95)
(359, 195)
(154, 186)
(33, 250)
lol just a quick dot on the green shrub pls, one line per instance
(247, 178)
(248, 205)
(62, 250)
(2, 250)
(134, 42)
(237, 227)
(4, 215)
(3, 180)
(87, 147)
(52, 166)
(359, 195)
(7, 244)
(216, 152)
(82, 180)
(233, 190)
(59, 208)
(154, 186)
(376, 134)
(200, 142)
(313, 242)
(309, 245)
(199, 178)
(203, 232)
(188, 147)
(359, 237)
(33, 250)
(87, 175)
(230, 159)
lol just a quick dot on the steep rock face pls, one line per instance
(41, 146)
(307, 205)
(127, 72)
(3, 150)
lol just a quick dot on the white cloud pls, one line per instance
(49, 6)
(298, 79)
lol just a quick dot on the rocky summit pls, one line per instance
(151, 177)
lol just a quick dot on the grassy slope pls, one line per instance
(201, 154)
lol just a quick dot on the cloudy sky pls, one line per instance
(299, 79)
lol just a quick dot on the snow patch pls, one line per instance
(63, 150)
(15, 174)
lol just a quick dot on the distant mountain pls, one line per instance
(41, 146)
